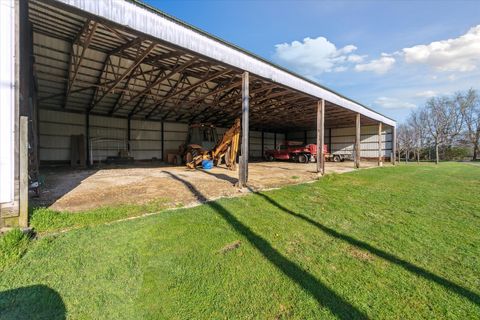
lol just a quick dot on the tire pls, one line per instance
(336, 158)
(270, 158)
(188, 157)
(302, 158)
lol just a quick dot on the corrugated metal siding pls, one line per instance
(145, 139)
(311, 136)
(7, 103)
(255, 140)
(175, 135)
(55, 130)
(112, 133)
(56, 127)
(255, 148)
(343, 140)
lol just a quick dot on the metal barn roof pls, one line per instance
(125, 59)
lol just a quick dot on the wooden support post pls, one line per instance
(263, 144)
(394, 146)
(330, 140)
(320, 136)
(23, 194)
(243, 172)
(87, 137)
(357, 141)
(380, 158)
(162, 129)
(129, 129)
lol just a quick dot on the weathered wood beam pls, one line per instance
(216, 91)
(172, 72)
(357, 141)
(380, 159)
(320, 136)
(243, 171)
(76, 62)
(222, 114)
(191, 88)
(163, 103)
(139, 60)
(163, 56)
(197, 84)
(394, 146)
(129, 44)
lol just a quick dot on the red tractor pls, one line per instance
(298, 152)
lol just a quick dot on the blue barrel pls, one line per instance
(207, 164)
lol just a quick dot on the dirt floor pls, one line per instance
(67, 189)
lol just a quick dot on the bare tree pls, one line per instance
(469, 104)
(444, 121)
(405, 139)
(417, 121)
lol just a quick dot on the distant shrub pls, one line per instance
(457, 153)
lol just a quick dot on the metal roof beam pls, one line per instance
(119, 79)
(75, 61)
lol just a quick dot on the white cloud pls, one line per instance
(355, 58)
(460, 54)
(315, 56)
(392, 103)
(379, 66)
(426, 94)
(452, 77)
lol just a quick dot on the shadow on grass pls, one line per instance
(324, 296)
(32, 302)
(421, 272)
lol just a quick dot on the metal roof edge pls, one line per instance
(225, 42)
(120, 13)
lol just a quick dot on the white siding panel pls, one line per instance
(55, 129)
(343, 140)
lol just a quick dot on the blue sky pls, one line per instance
(389, 55)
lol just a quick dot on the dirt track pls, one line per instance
(77, 190)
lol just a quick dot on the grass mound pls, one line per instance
(13, 245)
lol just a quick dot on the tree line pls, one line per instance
(445, 128)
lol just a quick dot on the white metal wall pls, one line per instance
(255, 140)
(111, 134)
(7, 101)
(175, 135)
(343, 140)
(145, 139)
(56, 127)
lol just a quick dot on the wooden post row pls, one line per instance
(23, 165)
(320, 136)
(243, 172)
(394, 146)
(380, 158)
(357, 141)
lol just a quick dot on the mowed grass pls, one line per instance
(389, 243)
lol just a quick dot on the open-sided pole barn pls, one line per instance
(122, 75)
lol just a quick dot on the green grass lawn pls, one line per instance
(395, 242)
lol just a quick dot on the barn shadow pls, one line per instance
(415, 270)
(32, 302)
(324, 296)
